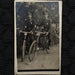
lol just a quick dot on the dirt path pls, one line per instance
(42, 60)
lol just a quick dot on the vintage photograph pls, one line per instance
(37, 36)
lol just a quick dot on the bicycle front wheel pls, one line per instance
(32, 50)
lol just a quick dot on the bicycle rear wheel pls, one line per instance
(32, 50)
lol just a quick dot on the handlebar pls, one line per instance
(25, 33)
(41, 32)
(38, 32)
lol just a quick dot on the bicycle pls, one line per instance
(24, 44)
(35, 45)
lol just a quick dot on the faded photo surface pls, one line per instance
(37, 36)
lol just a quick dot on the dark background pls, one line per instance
(7, 37)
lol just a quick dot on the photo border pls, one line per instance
(60, 39)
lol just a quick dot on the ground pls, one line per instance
(42, 60)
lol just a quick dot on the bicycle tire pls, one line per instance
(23, 50)
(33, 46)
